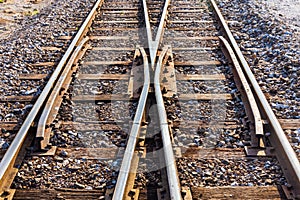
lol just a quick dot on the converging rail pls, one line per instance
(11, 154)
(41, 137)
(154, 44)
(174, 186)
(285, 154)
(173, 181)
(131, 143)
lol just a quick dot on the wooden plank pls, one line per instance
(14, 126)
(183, 2)
(18, 98)
(111, 48)
(107, 63)
(205, 124)
(187, 97)
(193, 38)
(117, 22)
(90, 122)
(287, 123)
(106, 11)
(191, 21)
(90, 126)
(103, 76)
(290, 123)
(114, 29)
(200, 77)
(219, 153)
(80, 76)
(197, 63)
(128, 15)
(123, 2)
(43, 64)
(195, 49)
(120, 9)
(197, 21)
(10, 126)
(188, 7)
(32, 76)
(186, 11)
(239, 192)
(192, 29)
(124, 11)
(59, 193)
(91, 153)
(71, 29)
(51, 48)
(65, 37)
(113, 38)
(104, 97)
(124, 77)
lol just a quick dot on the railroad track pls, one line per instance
(152, 100)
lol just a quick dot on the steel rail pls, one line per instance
(40, 134)
(131, 143)
(19, 139)
(285, 153)
(173, 180)
(148, 27)
(259, 132)
(153, 44)
(160, 30)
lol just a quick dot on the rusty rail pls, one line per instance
(284, 151)
(41, 135)
(259, 132)
(153, 44)
(173, 180)
(131, 143)
(12, 152)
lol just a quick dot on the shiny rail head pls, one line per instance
(154, 44)
(170, 163)
(43, 139)
(122, 180)
(10, 155)
(285, 153)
